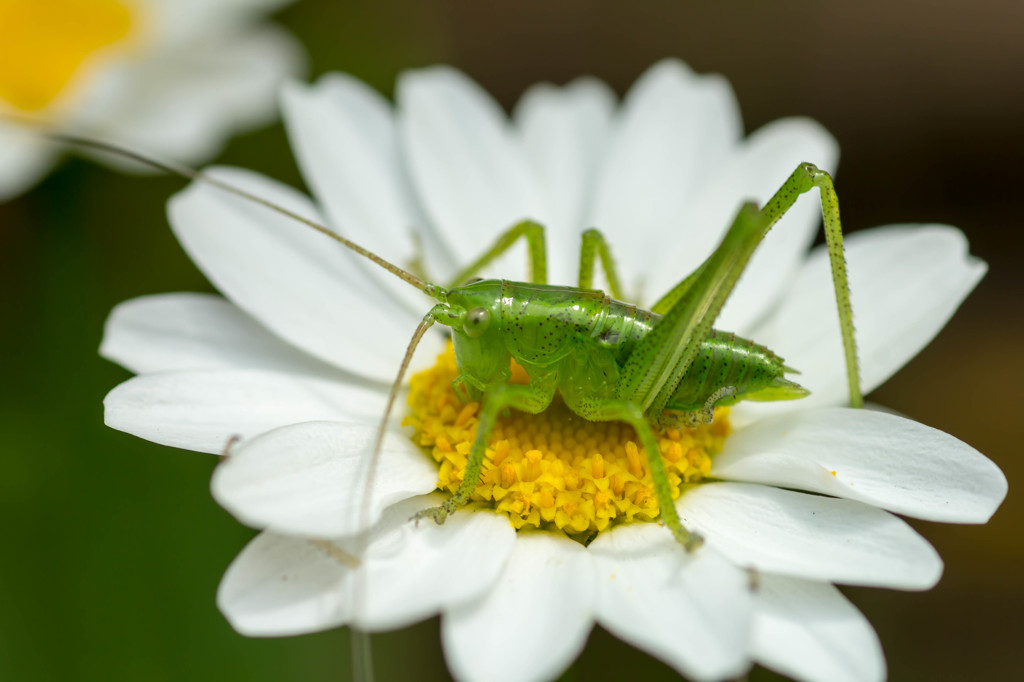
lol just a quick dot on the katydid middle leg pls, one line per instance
(619, 410)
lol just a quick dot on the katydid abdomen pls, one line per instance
(725, 359)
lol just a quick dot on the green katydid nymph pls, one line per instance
(607, 359)
(611, 361)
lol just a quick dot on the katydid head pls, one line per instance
(475, 307)
(473, 314)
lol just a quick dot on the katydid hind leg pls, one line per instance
(533, 398)
(805, 178)
(665, 303)
(659, 361)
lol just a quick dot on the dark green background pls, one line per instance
(113, 548)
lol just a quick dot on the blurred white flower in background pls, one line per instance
(171, 77)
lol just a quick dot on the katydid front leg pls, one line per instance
(536, 245)
(533, 398)
(594, 246)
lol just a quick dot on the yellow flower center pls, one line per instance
(44, 43)
(554, 470)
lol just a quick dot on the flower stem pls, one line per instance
(362, 656)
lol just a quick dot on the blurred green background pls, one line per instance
(113, 548)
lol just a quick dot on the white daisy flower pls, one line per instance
(173, 77)
(297, 356)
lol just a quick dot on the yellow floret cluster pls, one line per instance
(554, 470)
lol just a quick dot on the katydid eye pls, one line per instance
(477, 321)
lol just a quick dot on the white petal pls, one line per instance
(880, 459)
(533, 622)
(414, 571)
(200, 410)
(690, 610)
(812, 633)
(346, 142)
(25, 159)
(310, 479)
(467, 167)
(280, 586)
(185, 105)
(810, 536)
(675, 129)
(295, 281)
(905, 283)
(197, 331)
(564, 133)
(396, 575)
(754, 171)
